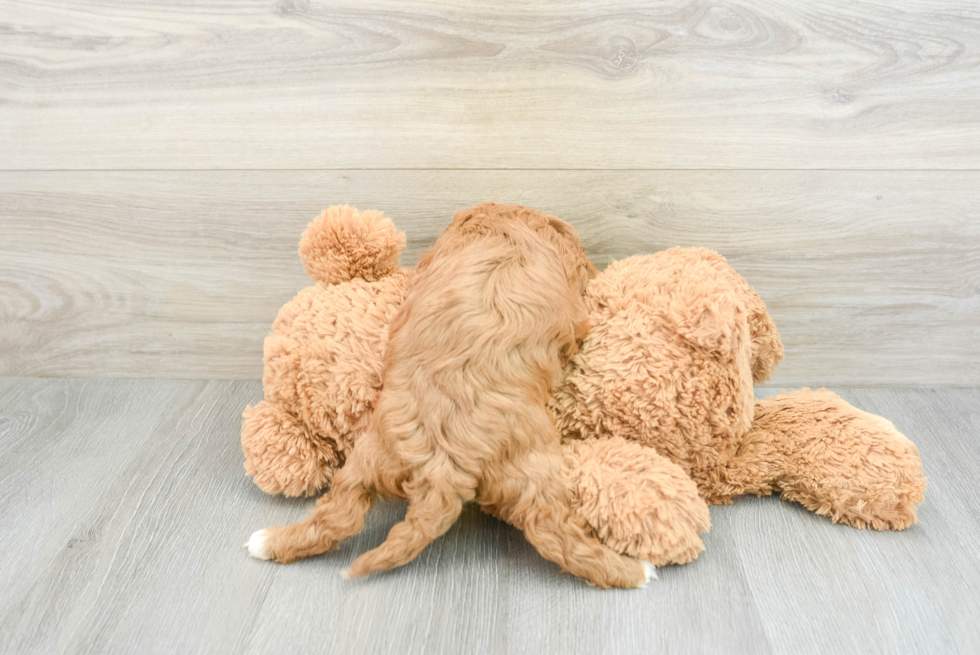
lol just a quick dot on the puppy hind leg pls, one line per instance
(432, 510)
(338, 514)
(559, 537)
(544, 512)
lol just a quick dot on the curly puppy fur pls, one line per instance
(475, 350)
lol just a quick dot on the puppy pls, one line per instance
(474, 351)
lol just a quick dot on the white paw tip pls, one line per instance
(345, 574)
(650, 573)
(256, 545)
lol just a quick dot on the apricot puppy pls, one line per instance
(494, 312)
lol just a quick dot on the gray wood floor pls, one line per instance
(123, 505)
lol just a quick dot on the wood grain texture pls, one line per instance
(124, 504)
(892, 607)
(873, 277)
(102, 84)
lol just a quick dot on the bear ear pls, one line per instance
(705, 312)
(342, 244)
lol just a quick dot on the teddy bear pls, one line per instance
(656, 410)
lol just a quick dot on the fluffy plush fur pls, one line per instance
(656, 410)
(475, 349)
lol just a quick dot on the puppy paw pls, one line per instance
(257, 545)
(650, 573)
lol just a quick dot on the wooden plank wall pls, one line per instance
(158, 162)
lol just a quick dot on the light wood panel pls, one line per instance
(97, 84)
(873, 277)
(124, 507)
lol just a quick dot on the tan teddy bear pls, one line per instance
(657, 410)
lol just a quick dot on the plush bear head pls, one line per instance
(323, 357)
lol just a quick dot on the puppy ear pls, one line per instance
(586, 268)
(578, 268)
(576, 324)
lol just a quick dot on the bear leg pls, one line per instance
(829, 456)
